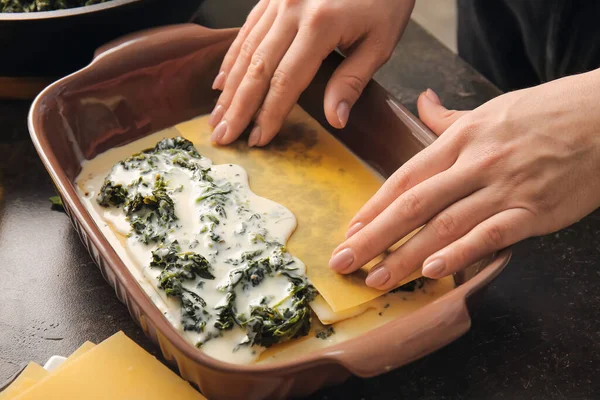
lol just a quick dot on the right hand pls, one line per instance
(279, 50)
(523, 164)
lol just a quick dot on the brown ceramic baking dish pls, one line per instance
(162, 77)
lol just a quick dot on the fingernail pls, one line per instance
(342, 260)
(219, 82)
(354, 228)
(378, 278)
(430, 94)
(219, 132)
(434, 269)
(216, 115)
(254, 137)
(343, 112)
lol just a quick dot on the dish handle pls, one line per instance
(176, 32)
(418, 334)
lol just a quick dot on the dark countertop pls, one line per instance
(537, 335)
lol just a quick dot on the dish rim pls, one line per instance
(68, 12)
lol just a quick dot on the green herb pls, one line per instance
(176, 143)
(257, 238)
(251, 255)
(204, 175)
(215, 191)
(226, 316)
(177, 268)
(151, 216)
(211, 218)
(325, 333)
(411, 286)
(56, 202)
(189, 265)
(184, 162)
(266, 325)
(139, 161)
(111, 194)
(270, 325)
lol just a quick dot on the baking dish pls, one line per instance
(54, 43)
(158, 78)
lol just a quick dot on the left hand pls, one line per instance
(526, 163)
(279, 50)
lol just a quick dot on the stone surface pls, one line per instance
(537, 335)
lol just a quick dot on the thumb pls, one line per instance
(437, 117)
(348, 82)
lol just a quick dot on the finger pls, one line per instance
(295, 72)
(253, 88)
(495, 233)
(409, 211)
(240, 66)
(232, 54)
(447, 226)
(438, 157)
(437, 117)
(349, 80)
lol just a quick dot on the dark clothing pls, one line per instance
(522, 43)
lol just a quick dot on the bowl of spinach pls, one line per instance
(17, 6)
(52, 38)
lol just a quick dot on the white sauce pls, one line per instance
(276, 224)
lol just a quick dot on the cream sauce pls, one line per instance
(247, 224)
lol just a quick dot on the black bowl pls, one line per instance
(56, 43)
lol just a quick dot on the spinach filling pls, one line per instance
(151, 216)
(265, 326)
(112, 194)
(148, 205)
(176, 269)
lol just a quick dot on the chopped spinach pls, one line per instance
(176, 143)
(151, 216)
(189, 265)
(177, 268)
(266, 326)
(226, 314)
(202, 174)
(270, 325)
(215, 191)
(411, 286)
(17, 6)
(56, 202)
(325, 333)
(112, 195)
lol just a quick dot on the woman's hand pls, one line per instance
(279, 50)
(524, 164)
